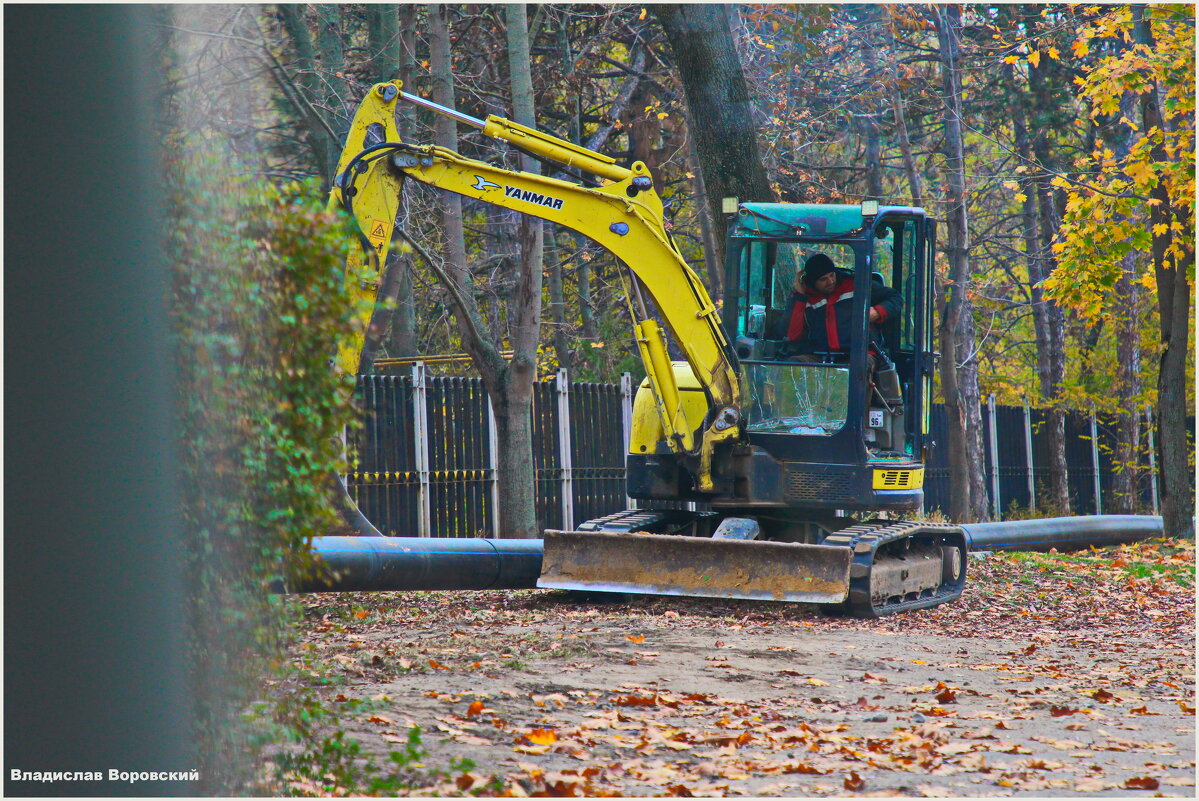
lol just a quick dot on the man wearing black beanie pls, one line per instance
(817, 317)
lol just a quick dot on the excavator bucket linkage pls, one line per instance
(661, 564)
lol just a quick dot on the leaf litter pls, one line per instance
(1070, 674)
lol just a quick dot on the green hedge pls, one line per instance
(259, 307)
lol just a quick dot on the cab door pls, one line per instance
(900, 259)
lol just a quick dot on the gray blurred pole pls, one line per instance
(94, 660)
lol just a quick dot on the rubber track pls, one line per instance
(652, 521)
(867, 538)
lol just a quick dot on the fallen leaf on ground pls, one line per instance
(542, 736)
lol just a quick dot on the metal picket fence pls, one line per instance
(423, 463)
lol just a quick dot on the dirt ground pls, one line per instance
(1052, 676)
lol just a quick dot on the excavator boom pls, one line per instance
(624, 217)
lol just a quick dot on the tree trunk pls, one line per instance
(727, 142)
(509, 384)
(557, 306)
(335, 97)
(870, 116)
(1049, 222)
(707, 225)
(1126, 464)
(1047, 326)
(959, 364)
(1125, 482)
(905, 145)
(383, 36)
(403, 337)
(512, 403)
(518, 513)
(1174, 298)
(316, 136)
(446, 135)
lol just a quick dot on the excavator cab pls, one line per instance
(822, 440)
(849, 439)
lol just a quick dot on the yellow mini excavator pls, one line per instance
(789, 459)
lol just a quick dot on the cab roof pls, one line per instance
(799, 219)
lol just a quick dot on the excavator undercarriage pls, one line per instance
(863, 570)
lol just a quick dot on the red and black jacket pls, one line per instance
(821, 323)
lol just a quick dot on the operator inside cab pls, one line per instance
(816, 324)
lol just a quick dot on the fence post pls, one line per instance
(420, 428)
(1095, 464)
(996, 501)
(493, 457)
(626, 419)
(568, 493)
(1032, 481)
(1152, 463)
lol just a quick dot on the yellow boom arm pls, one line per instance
(624, 217)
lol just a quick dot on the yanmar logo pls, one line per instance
(533, 197)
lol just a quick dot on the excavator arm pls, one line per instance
(624, 216)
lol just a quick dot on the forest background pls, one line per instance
(1053, 142)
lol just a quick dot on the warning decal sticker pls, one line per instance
(377, 235)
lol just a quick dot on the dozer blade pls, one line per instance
(657, 564)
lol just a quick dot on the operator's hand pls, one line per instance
(874, 315)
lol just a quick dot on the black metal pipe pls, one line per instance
(420, 563)
(1062, 533)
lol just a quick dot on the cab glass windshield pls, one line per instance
(790, 398)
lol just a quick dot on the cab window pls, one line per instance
(892, 260)
(768, 272)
